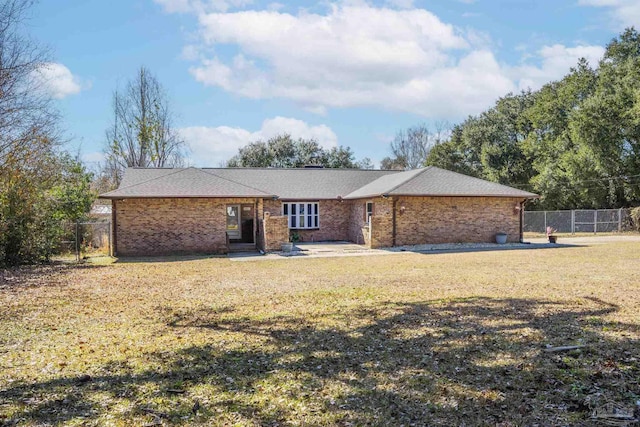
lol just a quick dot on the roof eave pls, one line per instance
(169, 196)
(511, 196)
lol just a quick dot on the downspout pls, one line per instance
(393, 221)
(114, 229)
(522, 220)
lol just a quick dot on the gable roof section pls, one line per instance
(383, 185)
(189, 182)
(304, 184)
(433, 181)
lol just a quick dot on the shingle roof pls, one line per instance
(303, 184)
(190, 182)
(433, 181)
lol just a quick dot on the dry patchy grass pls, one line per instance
(406, 339)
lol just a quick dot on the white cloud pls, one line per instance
(401, 4)
(201, 6)
(58, 80)
(357, 54)
(212, 146)
(624, 13)
(556, 62)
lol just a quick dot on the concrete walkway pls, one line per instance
(346, 249)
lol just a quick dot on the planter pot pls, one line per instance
(501, 238)
(553, 239)
(287, 247)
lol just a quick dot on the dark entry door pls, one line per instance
(246, 217)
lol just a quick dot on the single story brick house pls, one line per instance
(209, 210)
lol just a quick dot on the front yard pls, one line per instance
(406, 339)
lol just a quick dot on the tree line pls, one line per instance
(575, 142)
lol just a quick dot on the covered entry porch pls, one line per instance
(241, 227)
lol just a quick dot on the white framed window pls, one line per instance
(302, 214)
(368, 212)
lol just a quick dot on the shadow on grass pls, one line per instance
(165, 258)
(470, 249)
(476, 361)
(39, 274)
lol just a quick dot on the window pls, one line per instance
(302, 215)
(368, 212)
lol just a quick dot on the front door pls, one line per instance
(234, 225)
(246, 223)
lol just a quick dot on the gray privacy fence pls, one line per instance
(577, 221)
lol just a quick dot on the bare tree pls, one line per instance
(27, 116)
(142, 134)
(410, 148)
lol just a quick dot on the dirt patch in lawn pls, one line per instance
(450, 339)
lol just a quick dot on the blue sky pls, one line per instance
(351, 73)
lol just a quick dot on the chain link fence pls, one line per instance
(577, 221)
(87, 238)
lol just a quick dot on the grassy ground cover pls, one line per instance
(406, 339)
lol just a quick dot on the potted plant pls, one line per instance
(501, 237)
(552, 238)
(294, 237)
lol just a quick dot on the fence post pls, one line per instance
(595, 221)
(573, 221)
(545, 222)
(619, 220)
(109, 239)
(77, 243)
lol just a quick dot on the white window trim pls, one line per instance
(368, 216)
(316, 208)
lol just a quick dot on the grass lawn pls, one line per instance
(406, 339)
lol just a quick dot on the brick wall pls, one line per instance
(334, 220)
(276, 231)
(455, 219)
(381, 231)
(168, 226)
(358, 229)
(172, 226)
(260, 243)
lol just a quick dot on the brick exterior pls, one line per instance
(455, 219)
(276, 231)
(359, 231)
(170, 226)
(197, 225)
(334, 219)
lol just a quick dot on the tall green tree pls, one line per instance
(282, 151)
(576, 141)
(560, 162)
(608, 123)
(490, 145)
